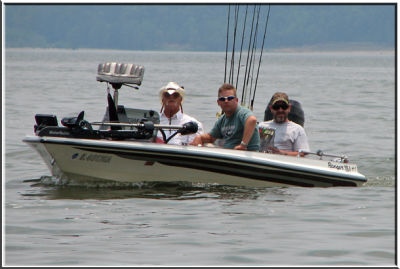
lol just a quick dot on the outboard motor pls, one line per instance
(296, 114)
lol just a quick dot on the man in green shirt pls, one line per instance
(237, 126)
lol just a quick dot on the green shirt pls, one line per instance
(231, 129)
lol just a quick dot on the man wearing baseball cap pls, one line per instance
(290, 137)
(172, 96)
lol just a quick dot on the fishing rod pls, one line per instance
(227, 41)
(252, 58)
(241, 47)
(250, 80)
(233, 45)
(259, 63)
(247, 60)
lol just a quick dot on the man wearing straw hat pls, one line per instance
(172, 96)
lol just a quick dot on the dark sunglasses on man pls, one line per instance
(223, 99)
(175, 94)
(276, 106)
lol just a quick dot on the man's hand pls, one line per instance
(197, 141)
(201, 139)
(240, 147)
(274, 150)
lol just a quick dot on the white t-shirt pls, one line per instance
(289, 136)
(179, 119)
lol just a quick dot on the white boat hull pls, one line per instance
(131, 161)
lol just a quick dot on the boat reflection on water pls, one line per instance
(48, 187)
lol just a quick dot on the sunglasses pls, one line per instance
(175, 94)
(223, 99)
(284, 106)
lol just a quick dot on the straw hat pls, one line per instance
(172, 87)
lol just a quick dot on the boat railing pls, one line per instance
(321, 154)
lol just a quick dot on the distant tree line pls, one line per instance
(200, 27)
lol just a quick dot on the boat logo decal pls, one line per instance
(344, 167)
(92, 157)
(58, 132)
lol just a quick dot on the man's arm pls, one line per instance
(285, 152)
(201, 139)
(248, 131)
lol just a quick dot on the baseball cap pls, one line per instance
(279, 96)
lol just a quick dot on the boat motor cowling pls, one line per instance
(296, 113)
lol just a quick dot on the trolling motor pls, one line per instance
(77, 127)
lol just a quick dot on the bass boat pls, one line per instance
(123, 147)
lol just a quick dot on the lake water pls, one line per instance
(349, 104)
